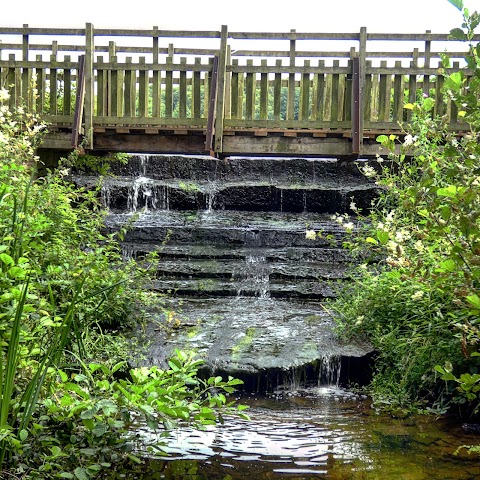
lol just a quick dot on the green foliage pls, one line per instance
(62, 285)
(417, 296)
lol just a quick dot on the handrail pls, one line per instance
(156, 86)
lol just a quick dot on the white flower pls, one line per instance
(409, 140)
(368, 171)
(417, 295)
(310, 234)
(4, 95)
(390, 216)
(349, 226)
(353, 206)
(359, 320)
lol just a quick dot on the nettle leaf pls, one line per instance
(6, 259)
(450, 191)
(448, 265)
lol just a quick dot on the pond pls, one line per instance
(323, 432)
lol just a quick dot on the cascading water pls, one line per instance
(247, 287)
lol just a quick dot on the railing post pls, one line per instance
(291, 80)
(362, 67)
(220, 108)
(426, 78)
(89, 81)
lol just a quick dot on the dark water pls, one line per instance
(318, 433)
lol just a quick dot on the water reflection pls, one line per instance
(322, 432)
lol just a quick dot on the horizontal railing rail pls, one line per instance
(338, 86)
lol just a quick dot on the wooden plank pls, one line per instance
(427, 56)
(241, 95)
(114, 92)
(228, 85)
(169, 90)
(196, 92)
(439, 103)
(335, 93)
(320, 93)
(40, 85)
(347, 102)
(89, 83)
(209, 143)
(250, 94)
(291, 81)
(150, 121)
(79, 102)
(398, 95)
(412, 83)
(453, 106)
(234, 92)
(286, 124)
(143, 82)
(182, 107)
(53, 82)
(383, 96)
(367, 95)
(304, 106)
(264, 94)
(67, 88)
(156, 75)
(277, 92)
(25, 71)
(128, 92)
(101, 89)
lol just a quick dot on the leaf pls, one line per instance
(66, 475)
(474, 300)
(81, 473)
(382, 138)
(448, 266)
(458, 34)
(409, 106)
(461, 113)
(383, 236)
(23, 435)
(457, 3)
(6, 259)
(449, 191)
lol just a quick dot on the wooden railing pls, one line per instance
(152, 85)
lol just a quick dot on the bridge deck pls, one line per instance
(151, 96)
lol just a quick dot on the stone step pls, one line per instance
(329, 195)
(246, 335)
(229, 228)
(254, 267)
(206, 168)
(219, 252)
(278, 288)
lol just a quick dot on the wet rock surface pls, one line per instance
(244, 283)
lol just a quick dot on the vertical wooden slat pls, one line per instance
(249, 93)
(304, 94)
(114, 89)
(439, 105)
(453, 105)
(12, 83)
(335, 86)
(169, 89)
(263, 92)
(319, 98)
(40, 74)
(53, 76)
(383, 96)
(356, 114)
(101, 88)
(277, 92)
(128, 88)
(155, 76)
(111, 86)
(207, 81)
(25, 71)
(412, 83)
(142, 90)
(228, 86)
(220, 107)
(89, 83)
(291, 80)
(196, 89)
(182, 108)
(241, 95)
(398, 95)
(347, 102)
(367, 95)
(234, 91)
(67, 87)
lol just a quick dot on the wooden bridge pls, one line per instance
(195, 92)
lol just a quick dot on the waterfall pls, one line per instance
(254, 277)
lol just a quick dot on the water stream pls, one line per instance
(321, 432)
(247, 288)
